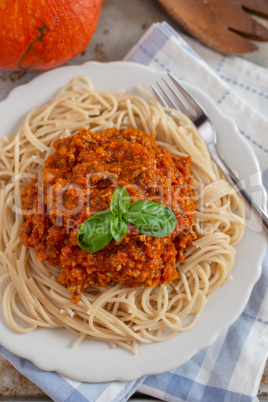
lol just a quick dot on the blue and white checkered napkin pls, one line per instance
(231, 368)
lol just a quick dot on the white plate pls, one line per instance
(94, 361)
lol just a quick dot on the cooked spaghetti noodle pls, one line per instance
(31, 293)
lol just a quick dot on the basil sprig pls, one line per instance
(150, 218)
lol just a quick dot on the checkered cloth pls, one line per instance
(231, 368)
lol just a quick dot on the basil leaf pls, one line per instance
(145, 205)
(151, 218)
(120, 202)
(118, 228)
(95, 232)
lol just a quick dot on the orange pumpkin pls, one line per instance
(38, 35)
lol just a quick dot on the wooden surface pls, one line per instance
(121, 25)
(222, 25)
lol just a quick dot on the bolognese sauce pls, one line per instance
(79, 180)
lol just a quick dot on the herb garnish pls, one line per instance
(150, 218)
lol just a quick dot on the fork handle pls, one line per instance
(259, 213)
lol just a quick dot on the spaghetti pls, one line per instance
(32, 295)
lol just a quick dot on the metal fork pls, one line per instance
(175, 96)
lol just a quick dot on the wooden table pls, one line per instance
(108, 44)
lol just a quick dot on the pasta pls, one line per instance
(31, 294)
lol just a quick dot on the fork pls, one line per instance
(224, 25)
(175, 96)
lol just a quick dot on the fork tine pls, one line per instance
(159, 96)
(167, 101)
(192, 103)
(259, 7)
(182, 106)
(163, 97)
(170, 101)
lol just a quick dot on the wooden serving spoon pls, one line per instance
(224, 25)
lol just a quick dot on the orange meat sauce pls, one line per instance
(79, 180)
